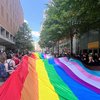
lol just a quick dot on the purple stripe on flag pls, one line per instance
(72, 75)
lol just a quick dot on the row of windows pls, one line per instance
(6, 34)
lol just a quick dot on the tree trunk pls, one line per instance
(71, 36)
(58, 47)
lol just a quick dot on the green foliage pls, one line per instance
(23, 38)
(67, 17)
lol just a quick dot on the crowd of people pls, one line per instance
(9, 62)
(91, 59)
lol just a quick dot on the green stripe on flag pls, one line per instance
(60, 87)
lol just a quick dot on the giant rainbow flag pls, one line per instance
(38, 78)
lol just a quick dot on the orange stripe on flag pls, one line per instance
(30, 88)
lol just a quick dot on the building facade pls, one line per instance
(37, 47)
(11, 17)
(90, 42)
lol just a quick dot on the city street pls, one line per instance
(49, 49)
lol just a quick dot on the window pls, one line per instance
(7, 34)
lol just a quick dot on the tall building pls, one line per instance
(37, 47)
(11, 17)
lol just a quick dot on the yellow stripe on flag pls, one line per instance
(46, 90)
(37, 55)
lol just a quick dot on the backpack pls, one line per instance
(3, 73)
(10, 67)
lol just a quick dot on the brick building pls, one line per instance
(11, 17)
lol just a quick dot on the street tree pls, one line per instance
(64, 18)
(23, 38)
